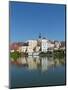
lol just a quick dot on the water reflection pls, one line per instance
(36, 62)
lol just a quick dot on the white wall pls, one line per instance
(44, 45)
(23, 48)
(30, 49)
(32, 43)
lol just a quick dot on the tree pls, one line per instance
(15, 55)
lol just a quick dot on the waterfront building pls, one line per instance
(44, 45)
(32, 43)
(14, 47)
(57, 44)
(37, 48)
(50, 44)
(23, 49)
(29, 49)
(34, 47)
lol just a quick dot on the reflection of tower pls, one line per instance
(44, 64)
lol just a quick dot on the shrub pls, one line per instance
(15, 55)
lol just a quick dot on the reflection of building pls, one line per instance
(41, 63)
(44, 63)
(33, 62)
(22, 61)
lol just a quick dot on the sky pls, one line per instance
(27, 20)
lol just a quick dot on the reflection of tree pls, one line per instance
(59, 62)
(39, 64)
(62, 61)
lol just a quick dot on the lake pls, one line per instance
(37, 71)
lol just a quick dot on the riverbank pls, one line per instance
(56, 54)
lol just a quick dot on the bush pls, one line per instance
(58, 54)
(15, 55)
(49, 52)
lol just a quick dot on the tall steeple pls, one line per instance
(39, 35)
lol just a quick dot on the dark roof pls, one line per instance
(20, 43)
(44, 37)
(25, 44)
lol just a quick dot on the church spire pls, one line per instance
(39, 35)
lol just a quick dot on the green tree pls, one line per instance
(15, 55)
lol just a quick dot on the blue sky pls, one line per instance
(27, 20)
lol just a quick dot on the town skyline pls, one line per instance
(27, 20)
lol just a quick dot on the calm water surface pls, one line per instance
(37, 71)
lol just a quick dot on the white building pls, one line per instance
(57, 44)
(32, 43)
(37, 48)
(23, 49)
(29, 49)
(50, 45)
(44, 45)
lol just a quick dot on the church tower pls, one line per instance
(39, 35)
